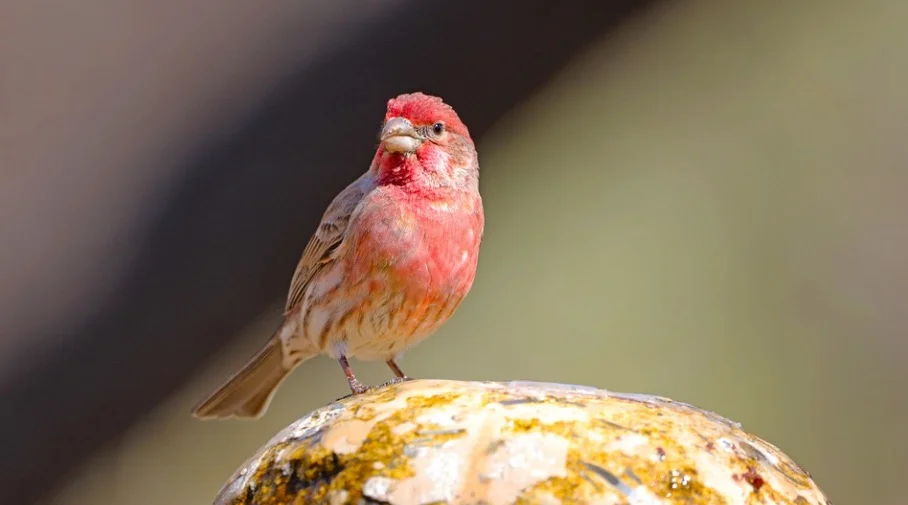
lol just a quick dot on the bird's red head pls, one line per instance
(424, 111)
(422, 135)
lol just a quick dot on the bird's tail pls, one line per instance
(248, 392)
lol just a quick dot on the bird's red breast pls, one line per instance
(422, 252)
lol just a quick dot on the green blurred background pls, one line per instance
(710, 205)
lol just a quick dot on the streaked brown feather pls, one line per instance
(327, 239)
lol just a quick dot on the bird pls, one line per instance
(395, 254)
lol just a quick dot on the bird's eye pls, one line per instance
(438, 128)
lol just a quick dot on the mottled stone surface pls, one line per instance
(434, 442)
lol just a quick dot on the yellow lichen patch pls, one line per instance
(310, 473)
(422, 402)
(683, 484)
(364, 412)
(524, 425)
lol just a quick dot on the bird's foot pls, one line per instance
(357, 387)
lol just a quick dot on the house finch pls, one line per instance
(393, 257)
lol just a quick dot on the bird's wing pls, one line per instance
(324, 244)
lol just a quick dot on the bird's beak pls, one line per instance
(399, 136)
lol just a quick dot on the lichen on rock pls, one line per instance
(450, 442)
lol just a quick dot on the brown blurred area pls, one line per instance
(698, 199)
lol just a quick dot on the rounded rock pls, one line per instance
(435, 441)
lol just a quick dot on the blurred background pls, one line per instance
(698, 199)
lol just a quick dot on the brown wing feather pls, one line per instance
(324, 244)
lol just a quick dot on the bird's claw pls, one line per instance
(396, 380)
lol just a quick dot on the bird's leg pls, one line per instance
(355, 385)
(396, 369)
(399, 374)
